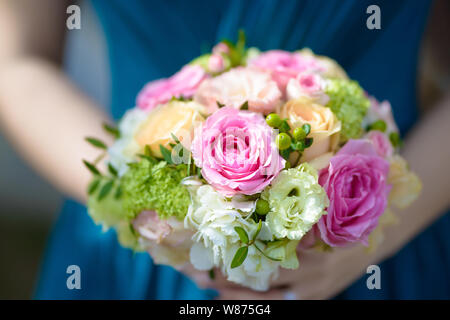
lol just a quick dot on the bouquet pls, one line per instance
(244, 158)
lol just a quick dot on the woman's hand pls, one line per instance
(321, 275)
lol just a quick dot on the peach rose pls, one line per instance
(235, 87)
(325, 127)
(175, 117)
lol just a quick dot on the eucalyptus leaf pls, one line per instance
(166, 153)
(91, 168)
(93, 186)
(112, 130)
(239, 257)
(105, 190)
(112, 170)
(96, 143)
(119, 192)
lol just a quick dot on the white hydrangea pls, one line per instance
(214, 218)
(125, 148)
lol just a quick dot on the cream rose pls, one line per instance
(325, 127)
(176, 117)
(406, 186)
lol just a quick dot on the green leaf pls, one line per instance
(244, 106)
(166, 153)
(111, 130)
(220, 105)
(265, 255)
(307, 128)
(112, 170)
(91, 168)
(96, 143)
(239, 257)
(309, 142)
(211, 274)
(242, 234)
(93, 186)
(285, 153)
(258, 230)
(284, 126)
(105, 190)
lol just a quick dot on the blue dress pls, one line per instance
(153, 39)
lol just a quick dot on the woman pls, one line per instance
(152, 39)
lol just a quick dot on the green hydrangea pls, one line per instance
(296, 201)
(349, 104)
(110, 213)
(156, 186)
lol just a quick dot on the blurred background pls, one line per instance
(29, 205)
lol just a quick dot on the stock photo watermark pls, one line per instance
(74, 279)
(374, 280)
(374, 20)
(73, 21)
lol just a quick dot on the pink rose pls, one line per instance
(356, 184)
(216, 63)
(285, 65)
(381, 143)
(236, 151)
(220, 48)
(183, 83)
(235, 87)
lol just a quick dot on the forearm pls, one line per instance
(426, 150)
(47, 118)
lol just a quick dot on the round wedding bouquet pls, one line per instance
(243, 157)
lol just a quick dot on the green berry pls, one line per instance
(299, 134)
(283, 141)
(274, 120)
(262, 207)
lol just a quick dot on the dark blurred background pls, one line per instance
(29, 206)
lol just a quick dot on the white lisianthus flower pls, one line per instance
(125, 148)
(297, 201)
(256, 272)
(214, 218)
